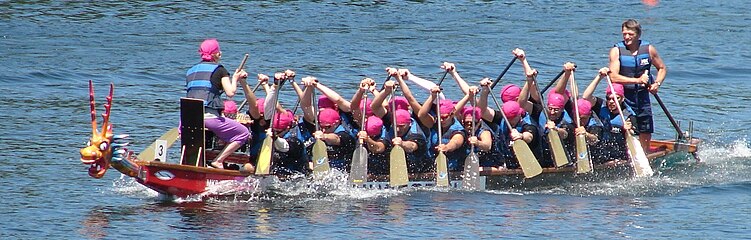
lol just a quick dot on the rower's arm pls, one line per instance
(343, 104)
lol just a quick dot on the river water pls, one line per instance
(52, 48)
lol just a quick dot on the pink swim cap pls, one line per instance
(511, 109)
(260, 103)
(230, 107)
(325, 102)
(510, 93)
(403, 117)
(209, 47)
(618, 90)
(467, 111)
(328, 116)
(374, 126)
(585, 107)
(401, 103)
(283, 120)
(556, 100)
(446, 106)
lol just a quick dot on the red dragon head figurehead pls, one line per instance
(98, 153)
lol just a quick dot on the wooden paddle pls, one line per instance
(583, 160)
(556, 146)
(529, 164)
(320, 154)
(263, 164)
(398, 175)
(441, 169)
(639, 159)
(358, 174)
(170, 137)
(470, 178)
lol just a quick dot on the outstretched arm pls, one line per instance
(662, 69)
(423, 114)
(423, 83)
(343, 104)
(306, 103)
(588, 93)
(451, 68)
(560, 86)
(487, 113)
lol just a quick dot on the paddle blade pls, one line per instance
(320, 158)
(398, 167)
(359, 173)
(441, 171)
(263, 165)
(170, 136)
(526, 158)
(639, 159)
(556, 147)
(471, 176)
(583, 161)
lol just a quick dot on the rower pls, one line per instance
(453, 135)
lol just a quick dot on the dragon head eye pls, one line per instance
(88, 143)
(103, 146)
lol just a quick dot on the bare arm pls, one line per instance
(451, 68)
(662, 69)
(560, 86)
(487, 113)
(486, 141)
(588, 93)
(378, 104)
(343, 104)
(306, 103)
(423, 114)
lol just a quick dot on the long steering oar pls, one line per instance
(583, 160)
(529, 164)
(681, 135)
(639, 159)
(556, 146)
(441, 169)
(263, 165)
(358, 174)
(320, 154)
(398, 175)
(470, 178)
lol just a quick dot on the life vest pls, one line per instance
(612, 123)
(493, 157)
(634, 65)
(455, 158)
(198, 85)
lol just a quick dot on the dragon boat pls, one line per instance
(190, 177)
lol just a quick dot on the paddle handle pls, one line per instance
(503, 73)
(552, 81)
(443, 77)
(617, 103)
(242, 63)
(575, 92)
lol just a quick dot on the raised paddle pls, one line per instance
(552, 81)
(556, 146)
(358, 174)
(263, 164)
(639, 159)
(503, 73)
(320, 154)
(441, 169)
(470, 178)
(583, 160)
(527, 160)
(398, 175)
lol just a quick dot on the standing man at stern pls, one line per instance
(630, 62)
